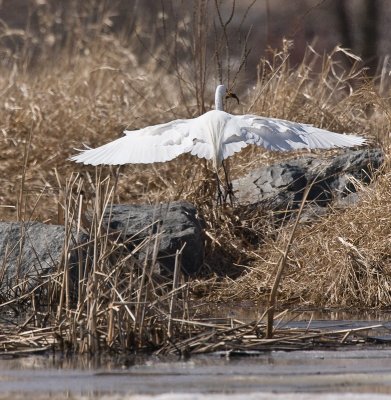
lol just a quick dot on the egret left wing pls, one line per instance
(280, 135)
(158, 143)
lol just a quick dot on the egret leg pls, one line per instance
(220, 195)
(229, 189)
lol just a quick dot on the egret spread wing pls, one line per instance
(215, 135)
(281, 135)
(158, 143)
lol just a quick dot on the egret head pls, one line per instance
(221, 92)
(230, 95)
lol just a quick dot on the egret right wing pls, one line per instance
(158, 143)
(280, 135)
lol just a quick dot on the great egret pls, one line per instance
(215, 135)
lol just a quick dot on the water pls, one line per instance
(352, 372)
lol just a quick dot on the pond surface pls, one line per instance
(354, 372)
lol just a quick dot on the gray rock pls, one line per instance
(27, 251)
(177, 222)
(280, 186)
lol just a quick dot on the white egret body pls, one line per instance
(215, 135)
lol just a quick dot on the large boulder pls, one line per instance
(27, 252)
(281, 186)
(177, 223)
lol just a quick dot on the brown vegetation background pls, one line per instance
(76, 72)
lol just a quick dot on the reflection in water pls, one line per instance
(360, 370)
(298, 371)
(247, 311)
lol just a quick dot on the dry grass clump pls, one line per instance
(349, 253)
(105, 294)
(342, 260)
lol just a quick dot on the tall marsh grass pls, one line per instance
(87, 84)
(103, 295)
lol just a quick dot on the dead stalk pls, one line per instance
(177, 269)
(281, 267)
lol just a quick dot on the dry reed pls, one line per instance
(97, 85)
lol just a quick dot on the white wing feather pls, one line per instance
(280, 135)
(158, 143)
(215, 135)
(229, 149)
